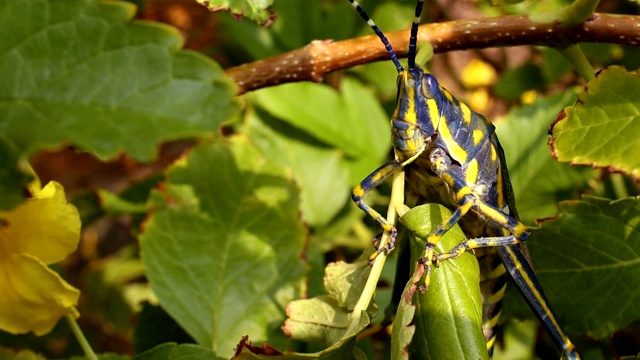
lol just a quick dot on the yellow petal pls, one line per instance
(478, 73)
(33, 297)
(44, 226)
(528, 97)
(479, 100)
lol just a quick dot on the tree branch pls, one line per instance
(313, 61)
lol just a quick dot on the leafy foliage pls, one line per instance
(453, 303)
(256, 10)
(237, 213)
(119, 80)
(605, 231)
(174, 351)
(539, 181)
(198, 249)
(606, 113)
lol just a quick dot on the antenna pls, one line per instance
(413, 39)
(385, 41)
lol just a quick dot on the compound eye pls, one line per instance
(430, 85)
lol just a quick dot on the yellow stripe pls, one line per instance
(471, 172)
(491, 323)
(500, 187)
(541, 302)
(519, 230)
(498, 295)
(466, 115)
(434, 113)
(491, 342)
(478, 135)
(455, 150)
(463, 192)
(493, 214)
(446, 93)
(497, 272)
(410, 116)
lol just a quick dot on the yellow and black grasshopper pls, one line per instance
(451, 155)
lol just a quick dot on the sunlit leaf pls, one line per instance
(222, 250)
(343, 349)
(324, 319)
(350, 120)
(603, 128)
(320, 320)
(319, 170)
(448, 317)
(81, 72)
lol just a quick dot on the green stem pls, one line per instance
(86, 347)
(579, 61)
(397, 200)
(619, 187)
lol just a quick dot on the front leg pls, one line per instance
(362, 190)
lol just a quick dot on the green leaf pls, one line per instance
(448, 316)
(341, 350)
(554, 65)
(223, 249)
(80, 72)
(350, 120)
(516, 81)
(327, 319)
(403, 329)
(298, 23)
(344, 282)
(320, 171)
(171, 351)
(538, 180)
(320, 319)
(591, 253)
(255, 10)
(324, 319)
(603, 128)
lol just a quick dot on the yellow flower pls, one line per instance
(478, 73)
(479, 99)
(41, 231)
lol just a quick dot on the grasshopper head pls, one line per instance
(415, 119)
